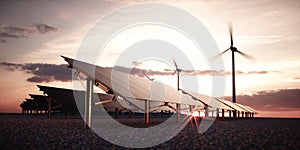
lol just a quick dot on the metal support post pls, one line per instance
(49, 108)
(178, 111)
(88, 102)
(146, 112)
(206, 112)
(223, 114)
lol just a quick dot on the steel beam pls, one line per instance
(88, 102)
(234, 113)
(223, 114)
(206, 112)
(116, 112)
(191, 109)
(147, 103)
(218, 112)
(49, 108)
(178, 111)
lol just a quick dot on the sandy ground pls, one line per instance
(32, 132)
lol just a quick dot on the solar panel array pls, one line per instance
(131, 92)
(130, 86)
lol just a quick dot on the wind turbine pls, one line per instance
(233, 50)
(178, 70)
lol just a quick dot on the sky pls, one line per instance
(33, 35)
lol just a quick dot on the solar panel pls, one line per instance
(243, 107)
(66, 98)
(253, 110)
(129, 86)
(232, 105)
(211, 101)
(133, 87)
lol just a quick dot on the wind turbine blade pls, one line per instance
(215, 57)
(146, 75)
(169, 70)
(175, 64)
(230, 32)
(224, 51)
(251, 58)
(174, 72)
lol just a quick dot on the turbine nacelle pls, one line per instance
(234, 49)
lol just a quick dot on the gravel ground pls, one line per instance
(37, 132)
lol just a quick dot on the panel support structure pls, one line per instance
(191, 109)
(116, 112)
(178, 111)
(206, 112)
(147, 103)
(223, 113)
(234, 113)
(49, 108)
(88, 102)
(129, 113)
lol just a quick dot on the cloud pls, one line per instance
(43, 28)
(20, 32)
(3, 41)
(251, 72)
(17, 30)
(140, 72)
(136, 63)
(42, 72)
(39, 79)
(52, 72)
(8, 35)
(222, 72)
(257, 72)
(167, 72)
(274, 100)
